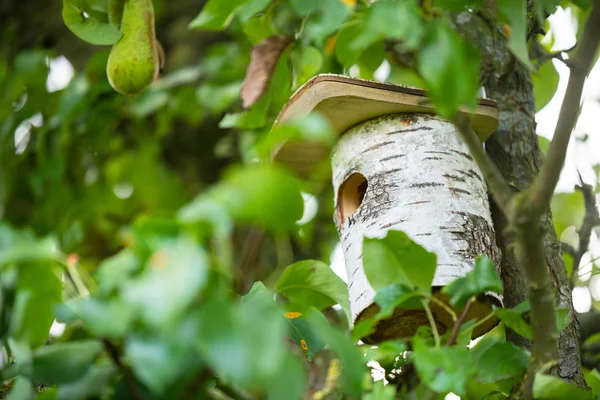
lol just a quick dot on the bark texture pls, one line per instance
(418, 177)
(515, 150)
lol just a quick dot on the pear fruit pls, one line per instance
(133, 63)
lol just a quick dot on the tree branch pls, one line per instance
(591, 220)
(130, 380)
(499, 187)
(456, 328)
(544, 185)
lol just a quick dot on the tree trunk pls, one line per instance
(515, 150)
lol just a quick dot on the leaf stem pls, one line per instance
(457, 324)
(434, 330)
(446, 308)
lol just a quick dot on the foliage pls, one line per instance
(136, 220)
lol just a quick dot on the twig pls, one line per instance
(591, 220)
(559, 55)
(113, 352)
(436, 335)
(456, 328)
(543, 186)
(499, 188)
(440, 303)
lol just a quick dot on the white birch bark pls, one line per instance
(421, 180)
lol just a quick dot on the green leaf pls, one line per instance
(156, 361)
(28, 251)
(324, 17)
(301, 331)
(513, 14)
(501, 361)
(313, 283)
(265, 195)
(250, 8)
(353, 364)
(114, 271)
(39, 288)
(307, 62)
(243, 342)
(63, 362)
(567, 209)
(545, 83)
(88, 28)
(443, 369)
(110, 319)
(513, 318)
(450, 67)
(345, 52)
(544, 143)
(393, 296)
(546, 387)
(22, 389)
(389, 19)
(93, 384)
(175, 275)
(216, 15)
(482, 279)
(397, 259)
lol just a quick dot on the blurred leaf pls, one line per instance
(250, 8)
(110, 319)
(381, 391)
(94, 383)
(501, 361)
(513, 318)
(44, 250)
(393, 296)
(323, 17)
(63, 362)
(567, 209)
(481, 279)
(148, 102)
(88, 28)
(265, 195)
(546, 387)
(347, 54)
(389, 19)
(114, 271)
(544, 143)
(243, 342)
(545, 83)
(218, 98)
(263, 59)
(513, 15)
(443, 369)
(156, 361)
(216, 15)
(450, 67)
(22, 389)
(38, 288)
(174, 276)
(307, 62)
(352, 362)
(397, 259)
(313, 283)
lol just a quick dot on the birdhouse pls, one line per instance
(398, 166)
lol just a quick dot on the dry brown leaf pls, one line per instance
(263, 59)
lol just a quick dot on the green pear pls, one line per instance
(133, 63)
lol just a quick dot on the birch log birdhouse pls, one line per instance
(399, 166)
